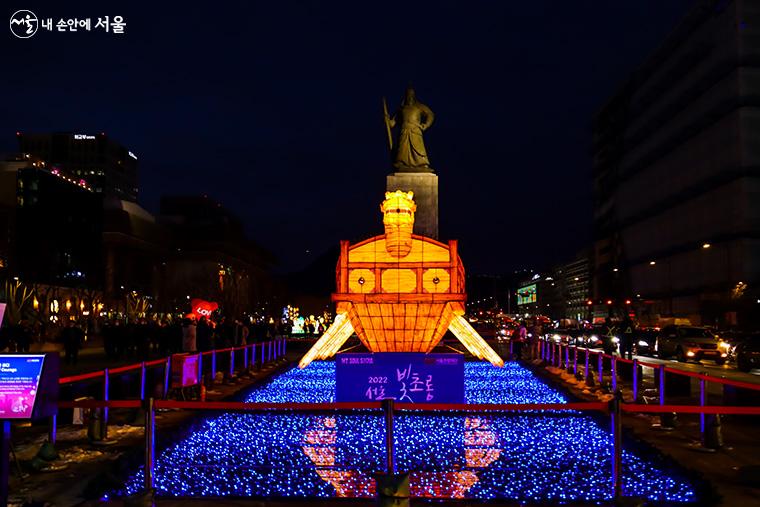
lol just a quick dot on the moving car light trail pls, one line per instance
(539, 457)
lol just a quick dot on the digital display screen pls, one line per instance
(526, 295)
(19, 384)
(406, 377)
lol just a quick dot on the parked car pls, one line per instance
(644, 341)
(566, 336)
(748, 353)
(691, 342)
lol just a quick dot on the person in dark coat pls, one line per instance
(72, 338)
(627, 332)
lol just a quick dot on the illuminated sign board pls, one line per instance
(406, 377)
(202, 308)
(82, 137)
(22, 378)
(184, 370)
(526, 295)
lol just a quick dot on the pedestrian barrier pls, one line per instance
(237, 359)
(553, 353)
(389, 408)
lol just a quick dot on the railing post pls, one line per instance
(575, 360)
(613, 373)
(662, 384)
(104, 429)
(142, 380)
(52, 428)
(269, 351)
(200, 368)
(617, 446)
(213, 365)
(585, 371)
(553, 350)
(263, 350)
(150, 444)
(567, 356)
(600, 367)
(232, 361)
(284, 345)
(511, 348)
(167, 375)
(702, 399)
(635, 380)
(245, 357)
(389, 456)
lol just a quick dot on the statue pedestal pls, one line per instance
(425, 188)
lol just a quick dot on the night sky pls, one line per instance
(274, 109)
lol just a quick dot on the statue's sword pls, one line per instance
(387, 125)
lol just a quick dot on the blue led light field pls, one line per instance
(526, 457)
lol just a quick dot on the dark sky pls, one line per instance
(274, 109)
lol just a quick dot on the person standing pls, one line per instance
(204, 335)
(522, 337)
(72, 338)
(626, 338)
(244, 332)
(189, 336)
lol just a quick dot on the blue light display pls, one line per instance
(543, 457)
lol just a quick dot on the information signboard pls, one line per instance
(184, 370)
(407, 377)
(28, 385)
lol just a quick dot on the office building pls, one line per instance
(96, 160)
(676, 174)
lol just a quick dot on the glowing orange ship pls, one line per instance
(399, 292)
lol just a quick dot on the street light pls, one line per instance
(652, 263)
(706, 245)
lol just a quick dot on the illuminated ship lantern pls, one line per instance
(399, 292)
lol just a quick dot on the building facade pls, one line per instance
(676, 173)
(95, 160)
(573, 284)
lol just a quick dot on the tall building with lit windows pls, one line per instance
(96, 160)
(676, 173)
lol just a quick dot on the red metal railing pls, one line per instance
(552, 352)
(614, 409)
(248, 355)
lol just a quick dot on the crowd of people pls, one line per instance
(140, 339)
(144, 338)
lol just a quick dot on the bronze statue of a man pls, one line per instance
(414, 118)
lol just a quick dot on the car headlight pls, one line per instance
(642, 343)
(556, 337)
(593, 337)
(725, 346)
